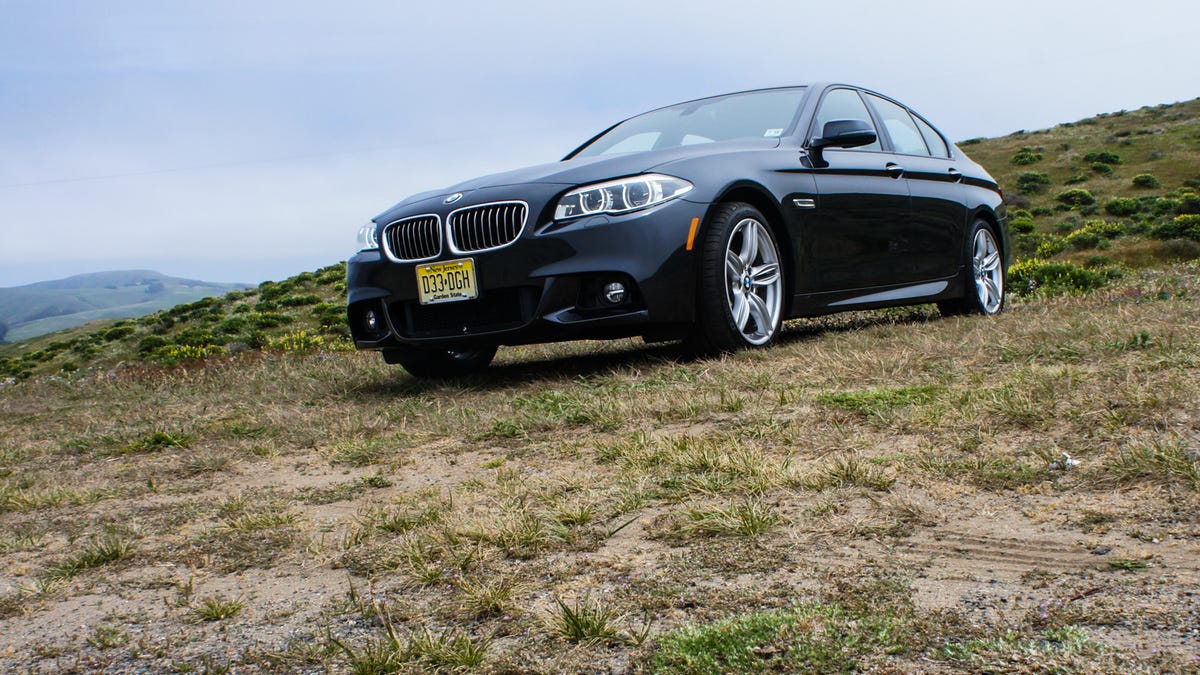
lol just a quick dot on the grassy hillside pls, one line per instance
(303, 313)
(49, 306)
(1115, 188)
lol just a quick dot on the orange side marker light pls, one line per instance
(692, 233)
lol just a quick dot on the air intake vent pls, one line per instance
(416, 238)
(487, 226)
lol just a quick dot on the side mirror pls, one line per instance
(842, 134)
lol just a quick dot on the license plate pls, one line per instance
(448, 281)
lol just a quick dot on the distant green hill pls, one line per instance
(49, 306)
(1118, 188)
(305, 312)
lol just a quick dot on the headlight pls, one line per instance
(367, 238)
(620, 196)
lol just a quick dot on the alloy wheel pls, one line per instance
(989, 277)
(755, 286)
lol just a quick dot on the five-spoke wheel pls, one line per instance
(983, 292)
(742, 283)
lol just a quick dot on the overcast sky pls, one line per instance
(248, 140)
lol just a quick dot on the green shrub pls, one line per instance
(299, 300)
(1041, 211)
(1167, 205)
(1189, 203)
(197, 337)
(268, 319)
(232, 326)
(69, 366)
(1082, 240)
(301, 342)
(330, 314)
(1102, 168)
(1104, 228)
(1040, 277)
(1103, 157)
(1075, 197)
(117, 333)
(1050, 247)
(1186, 226)
(1075, 180)
(1123, 206)
(150, 344)
(1021, 225)
(331, 274)
(1032, 182)
(1145, 180)
(1026, 245)
(1026, 156)
(172, 354)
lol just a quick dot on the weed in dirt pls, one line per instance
(1167, 463)
(98, 551)
(810, 637)
(878, 402)
(218, 608)
(159, 440)
(489, 597)
(848, 471)
(108, 637)
(745, 518)
(1128, 565)
(585, 620)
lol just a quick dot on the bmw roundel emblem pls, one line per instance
(452, 198)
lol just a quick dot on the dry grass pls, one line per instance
(609, 505)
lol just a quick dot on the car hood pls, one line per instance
(591, 169)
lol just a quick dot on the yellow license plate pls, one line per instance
(447, 281)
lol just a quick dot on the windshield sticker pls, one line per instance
(773, 133)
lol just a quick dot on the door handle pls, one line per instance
(955, 175)
(894, 170)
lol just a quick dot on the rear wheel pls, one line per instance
(741, 283)
(441, 363)
(985, 286)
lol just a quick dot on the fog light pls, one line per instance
(614, 293)
(371, 320)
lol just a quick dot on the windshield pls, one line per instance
(757, 114)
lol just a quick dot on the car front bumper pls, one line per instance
(545, 286)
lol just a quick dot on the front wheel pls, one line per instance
(984, 293)
(741, 285)
(435, 364)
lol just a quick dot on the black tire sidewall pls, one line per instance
(715, 331)
(972, 293)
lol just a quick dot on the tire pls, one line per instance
(436, 364)
(984, 269)
(741, 286)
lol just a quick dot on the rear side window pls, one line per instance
(844, 104)
(906, 138)
(937, 146)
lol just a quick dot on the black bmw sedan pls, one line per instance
(709, 221)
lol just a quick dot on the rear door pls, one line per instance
(939, 212)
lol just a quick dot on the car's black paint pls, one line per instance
(856, 228)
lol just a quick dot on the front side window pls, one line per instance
(766, 114)
(906, 138)
(844, 104)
